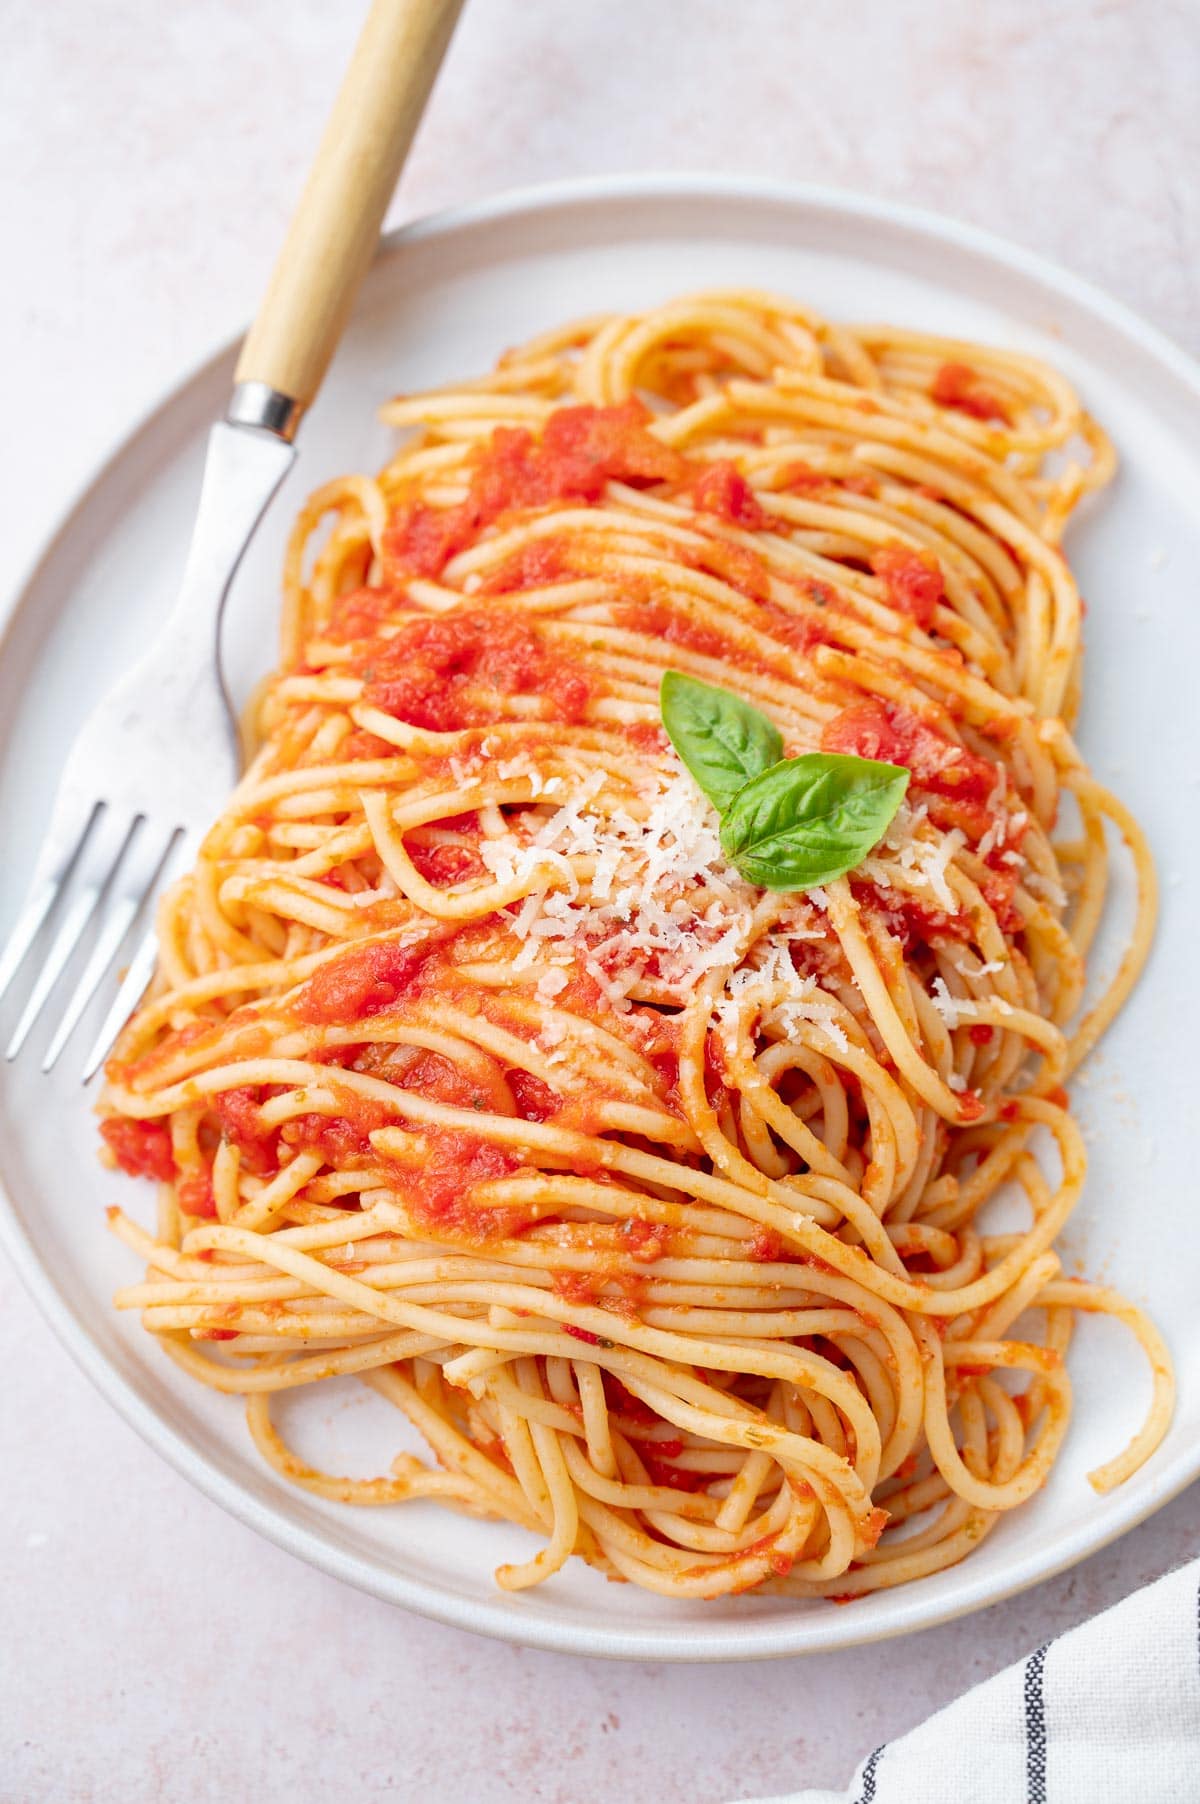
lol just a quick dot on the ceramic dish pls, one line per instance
(444, 297)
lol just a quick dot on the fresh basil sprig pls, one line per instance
(808, 820)
(722, 740)
(786, 824)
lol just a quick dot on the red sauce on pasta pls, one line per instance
(141, 1148)
(959, 386)
(912, 582)
(722, 490)
(362, 982)
(580, 451)
(447, 671)
(895, 735)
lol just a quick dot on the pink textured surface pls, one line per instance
(158, 1651)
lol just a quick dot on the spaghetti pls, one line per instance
(472, 1067)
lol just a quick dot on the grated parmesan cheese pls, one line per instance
(660, 900)
(551, 983)
(804, 1001)
(656, 902)
(922, 857)
(954, 1010)
(1048, 888)
(511, 769)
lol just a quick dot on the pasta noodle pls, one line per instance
(475, 1069)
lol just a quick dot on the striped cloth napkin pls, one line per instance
(1107, 1714)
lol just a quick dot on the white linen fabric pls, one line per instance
(1106, 1714)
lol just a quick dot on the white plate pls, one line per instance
(444, 298)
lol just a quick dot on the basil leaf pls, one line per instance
(808, 820)
(722, 740)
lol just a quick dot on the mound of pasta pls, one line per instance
(641, 1165)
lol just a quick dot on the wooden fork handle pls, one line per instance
(335, 229)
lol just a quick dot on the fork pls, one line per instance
(156, 759)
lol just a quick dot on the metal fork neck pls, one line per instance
(258, 404)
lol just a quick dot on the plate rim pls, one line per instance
(776, 1636)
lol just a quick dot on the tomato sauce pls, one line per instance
(999, 891)
(141, 1148)
(873, 1527)
(363, 981)
(345, 1137)
(194, 1194)
(253, 1042)
(533, 567)
(642, 1240)
(343, 1056)
(912, 582)
(737, 565)
(665, 1060)
(238, 1114)
(535, 1100)
(715, 1087)
(824, 960)
(584, 1334)
(357, 614)
(972, 818)
(578, 1287)
(437, 1078)
(657, 620)
(443, 672)
(721, 489)
(623, 1403)
(342, 1139)
(584, 448)
(895, 735)
(959, 386)
(439, 1194)
(800, 631)
(446, 865)
(359, 744)
(580, 451)
(646, 736)
(583, 996)
(908, 919)
(658, 1458)
(765, 1246)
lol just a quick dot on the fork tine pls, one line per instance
(103, 861)
(41, 900)
(116, 926)
(25, 930)
(122, 913)
(141, 970)
(179, 855)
